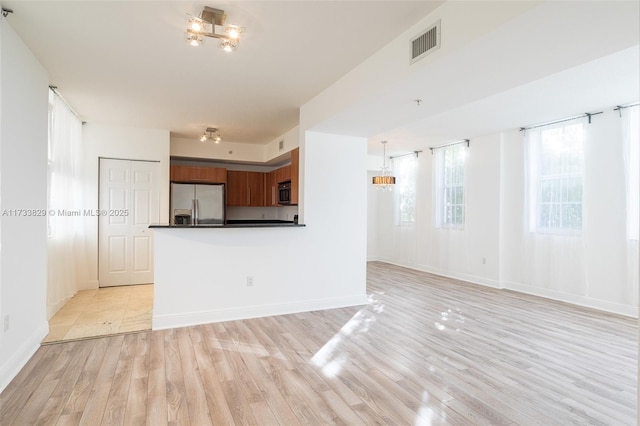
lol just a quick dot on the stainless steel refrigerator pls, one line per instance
(197, 204)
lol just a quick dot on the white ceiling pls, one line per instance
(126, 63)
(519, 73)
(588, 88)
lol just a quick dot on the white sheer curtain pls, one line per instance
(631, 151)
(67, 269)
(405, 190)
(575, 242)
(554, 246)
(449, 186)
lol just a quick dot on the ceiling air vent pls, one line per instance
(425, 43)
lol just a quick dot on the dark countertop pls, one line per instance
(236, 224)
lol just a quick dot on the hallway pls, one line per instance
(103, 312)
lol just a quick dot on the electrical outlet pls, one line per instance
(6, 323)
(249, 281)
(484, 260)
(263, 215)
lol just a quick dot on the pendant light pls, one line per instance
(384, 180)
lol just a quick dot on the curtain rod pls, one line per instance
(451, 144)
(586, 114)
(54, 89)
(391, 157)
(619, 108)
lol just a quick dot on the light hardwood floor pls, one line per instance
(103, 312)
(425, 350)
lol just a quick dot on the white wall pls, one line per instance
(127, 143)
(290, 139)
(201, 273)
(597, 269)
(23, 183)
(224, 151)
(372, 217)
(457, 253)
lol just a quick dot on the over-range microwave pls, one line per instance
(284, 192)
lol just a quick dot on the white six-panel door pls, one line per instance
(128, 203)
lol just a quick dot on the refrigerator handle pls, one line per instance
(195, 211)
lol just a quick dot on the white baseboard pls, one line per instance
(611, 307)
(14, 364)
(162, 322)
(589, 302)
(474, 279)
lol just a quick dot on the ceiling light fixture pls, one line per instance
(211, 134)
(384, 180)
(211, 24)
(195, 39)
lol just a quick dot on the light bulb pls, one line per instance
(233, 31)
(229, 45)
(194, 39)
(203, 138)
(195, 26)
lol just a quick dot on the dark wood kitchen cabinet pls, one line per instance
(295, 175)
(272, 179)
(271, 190)
(283, 174)
(245, 188)
(255, 183)
(236, 188)
(197, 174)
(256, 189)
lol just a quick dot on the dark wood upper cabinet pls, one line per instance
(245, 188)
(197, 174)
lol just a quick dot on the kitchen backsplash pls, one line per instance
(259, 213)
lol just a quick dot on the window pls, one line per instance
(449, 179)
(405, 168)
(556, 167)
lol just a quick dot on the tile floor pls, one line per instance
(102, 312)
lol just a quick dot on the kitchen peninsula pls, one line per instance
(255, 263)
(205, 275)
